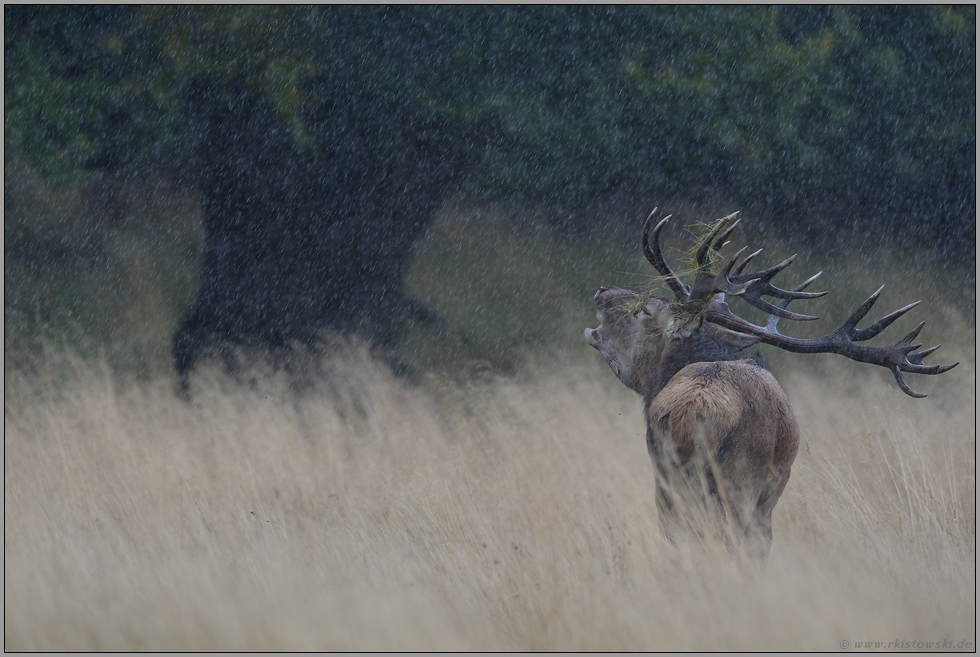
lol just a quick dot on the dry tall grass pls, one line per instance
(510, 514)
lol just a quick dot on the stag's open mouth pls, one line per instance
(592, 337)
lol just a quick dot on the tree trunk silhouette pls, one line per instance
(300, 240)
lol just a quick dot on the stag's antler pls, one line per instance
(898, 357)
(750, 287)
(656, 258)
(843, 340)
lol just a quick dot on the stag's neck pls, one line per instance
(706, 347)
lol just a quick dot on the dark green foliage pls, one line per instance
(789, 108)
(860, 120)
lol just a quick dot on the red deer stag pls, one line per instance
(719, 427)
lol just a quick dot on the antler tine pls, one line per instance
(727, 269)
(715, 239)
(861, 311)
(739, 269)
(916, 359)
(912, 335)
(903, 385)
(774, 319)
(722, 239)
(942, 368)
(767, 274)
(883, 323)
(754, 298)
(655, 256)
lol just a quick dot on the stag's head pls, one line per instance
(632, 332)
(646, 339)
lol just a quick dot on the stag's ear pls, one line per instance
(659, 317)
(655, 307)
(655, 314)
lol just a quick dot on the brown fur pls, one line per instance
(730, 422)
(720, 430)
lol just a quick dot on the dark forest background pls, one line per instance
(274, 169)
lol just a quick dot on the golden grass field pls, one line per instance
(511, 513)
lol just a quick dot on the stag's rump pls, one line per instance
(732, 412)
